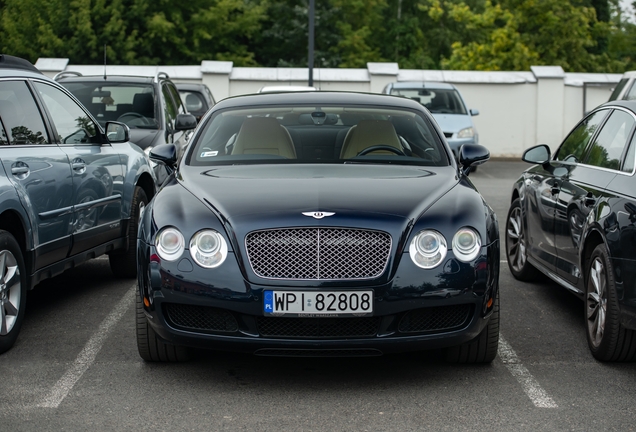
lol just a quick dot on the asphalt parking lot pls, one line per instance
(75, 367)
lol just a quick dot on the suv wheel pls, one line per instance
(124, 264)
(12, 290)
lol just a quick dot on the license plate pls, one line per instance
(318, 304)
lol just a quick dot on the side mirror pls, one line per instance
(473, 112)
(117, 132)
(185, 122)
(164, 153)
(537, 155)
(471, 155)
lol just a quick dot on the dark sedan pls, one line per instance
(573, 218)
(318, 224)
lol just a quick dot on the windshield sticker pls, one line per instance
(209, 153)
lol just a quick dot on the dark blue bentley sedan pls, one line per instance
(318, 224)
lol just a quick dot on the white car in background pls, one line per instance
(446, 105)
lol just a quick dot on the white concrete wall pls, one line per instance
(517, 110)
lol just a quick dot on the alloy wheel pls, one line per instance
(596, 301)
(10, 291)
(516, 243)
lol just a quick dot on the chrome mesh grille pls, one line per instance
(318, 253)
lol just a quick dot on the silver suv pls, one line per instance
(70, 189)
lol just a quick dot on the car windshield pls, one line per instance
(323, 134)
(437, 101)
(132, 104)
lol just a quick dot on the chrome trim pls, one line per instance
(380, 273)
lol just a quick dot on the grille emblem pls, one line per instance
(318, 215)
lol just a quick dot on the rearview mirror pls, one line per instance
(471, 155)
(164, 153)
(538, 154)
(185, 122)
(117, 132)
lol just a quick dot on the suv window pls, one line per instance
(133, 104)
(72, 124)
(574, 146)
(20, 115)
(608, 147)
(177, 99)
(170, 108)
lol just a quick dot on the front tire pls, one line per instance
(150, 347)
(12, 290)
(516, 249)
(124, 264)
(482, 349)
(607, 338)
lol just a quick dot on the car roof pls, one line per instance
(190, 86)
(318, 97)
(629, 104)
(287, 88)
(422, 84)
(109, 78)
(16, 66)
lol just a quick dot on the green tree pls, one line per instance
(135, 31)
(514, 34)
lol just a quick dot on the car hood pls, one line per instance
(453, 123)
(144, 137)
(264, 196)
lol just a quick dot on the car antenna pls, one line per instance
(104, 61)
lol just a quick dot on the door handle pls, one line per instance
(19, 170)
(78, 165)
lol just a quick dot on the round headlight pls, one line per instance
(208, 248)
(428, 248)
(466, 244)
(170, 244)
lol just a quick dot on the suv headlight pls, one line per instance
(208, 248)
(428, 248)
(170, 244)
(468, 132)
(466, 244)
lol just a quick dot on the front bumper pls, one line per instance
(416, 310)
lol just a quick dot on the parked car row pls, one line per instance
(295, 242)
(71, 188)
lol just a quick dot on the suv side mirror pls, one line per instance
(117, 132)
(185, 122)
(471, 155)
(473, 112)
(537, 155)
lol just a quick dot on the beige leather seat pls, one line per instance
(369, 133)
(264, 135)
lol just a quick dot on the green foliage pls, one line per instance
(579, 35)
(135, 31)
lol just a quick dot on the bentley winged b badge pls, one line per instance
(318, 214)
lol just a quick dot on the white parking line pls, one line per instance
(537, 395)
(87, 356)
